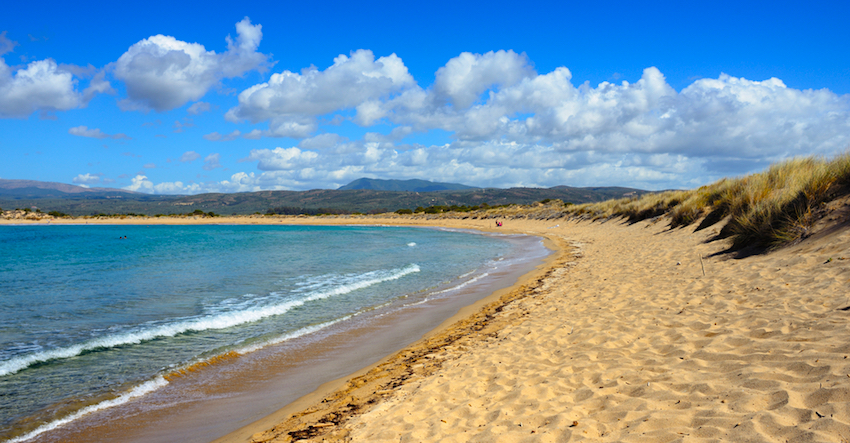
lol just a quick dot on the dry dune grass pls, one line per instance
(768, 209)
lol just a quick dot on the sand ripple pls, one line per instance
(632, 343)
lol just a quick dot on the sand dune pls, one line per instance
(628, 340)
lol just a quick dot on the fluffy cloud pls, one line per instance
(291, 101)
(728, 117)
(173, 188)
(42, 85)
(239, 182)
(163, 73)
(84, 131)
(499, 123)
(282, 159)
(464, 78)
(141, 183)
(492, 164)
(86, 179)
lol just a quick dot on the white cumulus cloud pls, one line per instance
(140, 183)
(86, 179)
(42, 85)
(497, 122)
(163, 73)
(282, 158)
(291, 101)
(464, 78)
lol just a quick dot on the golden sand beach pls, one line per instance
(633, 332)
(630, 332)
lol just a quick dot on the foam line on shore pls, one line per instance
(138, 391)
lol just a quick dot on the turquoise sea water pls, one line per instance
(89, 318)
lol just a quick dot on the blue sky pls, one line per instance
(166, 98)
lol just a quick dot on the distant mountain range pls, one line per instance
(357, 196)
(18, 189)
(402, 185)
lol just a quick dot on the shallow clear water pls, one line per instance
(86, 315)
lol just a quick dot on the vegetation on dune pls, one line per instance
(770, 208)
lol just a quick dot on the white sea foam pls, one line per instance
(373, 278)
(462, 285)
(411, 244)
(138, 391)
(299, 333)
(217, 321)
(467, 274)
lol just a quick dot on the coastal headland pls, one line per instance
(631, 331)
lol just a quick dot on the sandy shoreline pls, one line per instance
(135, 422)
(648, 334)
(629, 333)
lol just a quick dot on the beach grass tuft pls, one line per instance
(769, 208)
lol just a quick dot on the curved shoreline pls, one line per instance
(371, 221)
(639, 332)
(322, 411)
